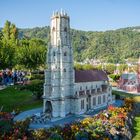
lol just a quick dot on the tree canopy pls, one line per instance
(29, 53)
(112, 46)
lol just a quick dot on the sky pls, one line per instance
(88, 15)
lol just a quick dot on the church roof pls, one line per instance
(90, 76)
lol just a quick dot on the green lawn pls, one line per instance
(136, 124)
(122, 94)
(13, 98)
(136, 128)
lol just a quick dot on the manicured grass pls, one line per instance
(125, 95)
(136, 128)
(13, 98)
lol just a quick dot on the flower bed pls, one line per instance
(112, 123)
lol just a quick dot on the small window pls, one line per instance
(86, 87)
(64, 70)
(65, 29)
(82, 104)
(65, 53)
(94, 101)
(104, 98)
(80, 88)
(99, 99)
(53, 53)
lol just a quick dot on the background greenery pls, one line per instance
(26, 48)
(112, 46)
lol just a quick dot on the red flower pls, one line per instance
(111, 107)
(121, 115)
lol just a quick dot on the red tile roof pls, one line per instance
(90, 75)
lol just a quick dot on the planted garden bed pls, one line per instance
(113, 123)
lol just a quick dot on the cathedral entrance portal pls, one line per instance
(48, 110)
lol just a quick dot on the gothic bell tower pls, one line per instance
(59, 76)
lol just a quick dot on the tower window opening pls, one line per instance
(65, 53)
(65, 29)
(53, 53)
(64, 70)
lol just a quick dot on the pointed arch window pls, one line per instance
(53, 53)
(64, 70)
(65, 53)
(65, 29)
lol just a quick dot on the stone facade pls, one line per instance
(92, 95)
(62, 93)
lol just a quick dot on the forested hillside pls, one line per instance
(112, 46)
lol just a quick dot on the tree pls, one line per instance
(110, 68)
(7, 55)
(6, 30)
(122, 67)
(32, 54)
(8, 45)
(13, 33)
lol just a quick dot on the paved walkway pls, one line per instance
(27, 114)
(59, 121)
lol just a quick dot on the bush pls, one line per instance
(40, 134)
(38, 72)
(37, 77)
(5, 126)
(36, 87)
(55, 137)
(115, 77)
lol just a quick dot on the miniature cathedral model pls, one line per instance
(67, 91)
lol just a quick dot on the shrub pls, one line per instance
(40, 134)
(55, 136)
(82, 135)
(115, 77)
(5, 126)
(36, 87)
(37, 77)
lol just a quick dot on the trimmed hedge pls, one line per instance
(37, 77)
